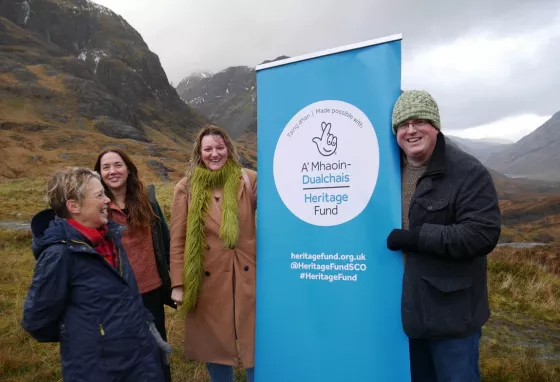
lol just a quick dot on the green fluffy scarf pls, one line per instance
(202, 182)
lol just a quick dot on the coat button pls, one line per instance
(246, 268)
(430, 208)
(207, 273)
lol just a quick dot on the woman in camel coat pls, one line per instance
(213, 256)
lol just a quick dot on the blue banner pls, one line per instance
(328, 289)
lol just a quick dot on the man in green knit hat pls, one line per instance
(450, 222)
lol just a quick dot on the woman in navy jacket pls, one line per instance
(83, 293)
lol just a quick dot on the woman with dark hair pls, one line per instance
(83, 293)
(146, 239)
(213, 256)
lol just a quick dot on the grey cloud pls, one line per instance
(211, 35)
(530, 88)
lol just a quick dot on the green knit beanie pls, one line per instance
(415, 104)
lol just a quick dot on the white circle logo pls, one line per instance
(326, 163)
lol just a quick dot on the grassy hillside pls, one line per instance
(531, 218)
(74, 78)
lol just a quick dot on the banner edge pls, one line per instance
(327, 52)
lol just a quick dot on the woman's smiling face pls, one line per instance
(213, 151)
(113, 171)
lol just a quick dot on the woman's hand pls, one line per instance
(177, 295)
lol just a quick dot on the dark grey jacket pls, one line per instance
(161, 239)
(455, 208)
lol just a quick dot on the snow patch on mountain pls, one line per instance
(196, 101)
(26, 12)
(99, 9)
(201, 75)
(94, 55)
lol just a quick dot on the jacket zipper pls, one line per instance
(105, 261)
(120, 261)
(101, 330)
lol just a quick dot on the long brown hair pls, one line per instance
(196, 158)
(139, 208)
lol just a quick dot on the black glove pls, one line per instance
(403, 239)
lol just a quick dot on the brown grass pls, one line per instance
(55, 83)
(546, 258)
(533, 218)
(523, 283)
(8, 78)
(21, 358)
(522, 367)
(81, 146)
(21, 199)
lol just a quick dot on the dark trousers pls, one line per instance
(224, 373)
(449, 360)
(153, 301)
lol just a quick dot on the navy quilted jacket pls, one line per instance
(94, 310)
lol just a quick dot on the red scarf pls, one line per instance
(99, 239)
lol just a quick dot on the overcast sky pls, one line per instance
(492, 65)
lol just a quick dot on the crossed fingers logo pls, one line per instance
(327, 142)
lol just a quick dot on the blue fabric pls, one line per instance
(94, 310)
(224, 373)
(305, 291)
(446, 360)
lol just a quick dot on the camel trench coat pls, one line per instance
(225, 309)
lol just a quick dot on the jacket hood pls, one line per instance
(49, 229)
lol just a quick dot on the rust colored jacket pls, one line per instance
(225, 308)
(139, 247)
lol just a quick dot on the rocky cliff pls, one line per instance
(227, 98)
(78, 68)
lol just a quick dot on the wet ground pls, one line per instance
(521, 245)
(15, 225)
(515, 332)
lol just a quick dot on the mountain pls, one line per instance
(75, 77)
(227, 98)
(482, 149)
(501, 141)
(535, 156)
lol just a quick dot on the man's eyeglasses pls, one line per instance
(415, 123)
